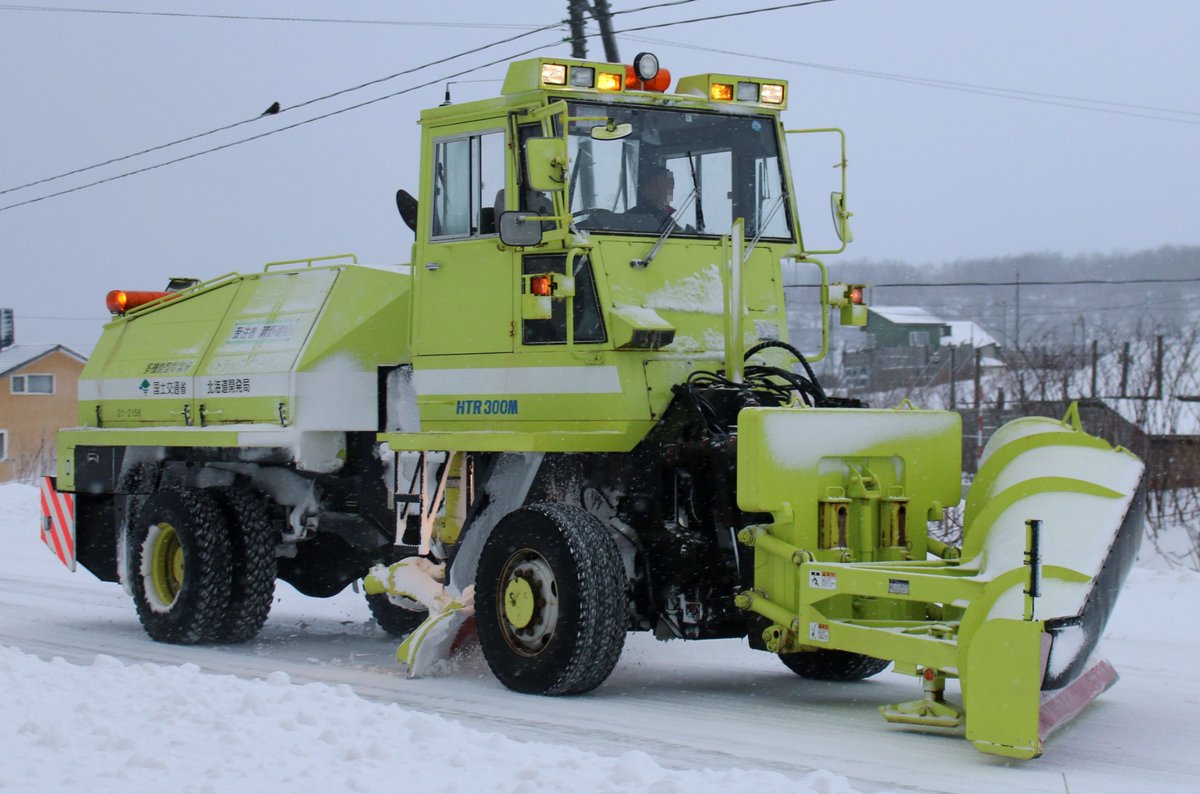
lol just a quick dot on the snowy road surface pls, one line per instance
(317, 703)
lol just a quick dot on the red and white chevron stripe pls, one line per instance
(58, 522)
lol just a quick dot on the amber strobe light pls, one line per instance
(607, 81)
(120, 301)
(721, 92)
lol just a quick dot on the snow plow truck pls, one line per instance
(577, 413)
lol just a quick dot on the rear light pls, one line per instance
(119, 301)
(541, 286)
(856, 295)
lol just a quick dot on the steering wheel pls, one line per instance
(594, 217)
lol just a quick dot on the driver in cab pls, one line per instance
(656, 188)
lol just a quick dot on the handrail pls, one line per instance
(353, 260)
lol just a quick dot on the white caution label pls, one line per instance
(818, 632)
(822, 580)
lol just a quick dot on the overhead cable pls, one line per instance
(1059, 100)
(369, 102)
(305, 103)
(277, 130)
(245, 18)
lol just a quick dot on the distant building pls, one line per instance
(38, 390)
(905, 327)
(907, 346)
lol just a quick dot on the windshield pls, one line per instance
(635, 184)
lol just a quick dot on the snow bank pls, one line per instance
(152, 728)
(117, 726)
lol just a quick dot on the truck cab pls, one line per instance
(552, 295)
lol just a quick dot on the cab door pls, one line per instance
(465, 281)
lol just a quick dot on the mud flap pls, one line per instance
(58, 522)
(1005, 665)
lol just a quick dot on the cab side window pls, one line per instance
(468, 171)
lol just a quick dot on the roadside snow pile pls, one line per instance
(151, 728)
(19, 504)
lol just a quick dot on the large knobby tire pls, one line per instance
(181, 565)
(829, 665)
(397, 619)
(252, 556)
(550, 601)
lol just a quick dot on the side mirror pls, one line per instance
(546, 163)
(611, 131)
(841, 218)
(519, 228)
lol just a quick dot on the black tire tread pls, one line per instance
(600, 625)
(252, 555)
(831, 665)
(200, 525)
(392, 618)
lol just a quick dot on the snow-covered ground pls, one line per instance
(317, 704)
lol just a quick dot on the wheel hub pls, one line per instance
(530, 603)
(165, 574)
(518, 603)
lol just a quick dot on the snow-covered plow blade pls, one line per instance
(1051, 526)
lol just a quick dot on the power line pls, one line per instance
(373, 101)
(320, 20)
(256, 118)
(713, 17)
(290, 107)
(1023, 283)
(1059, 100)
(323, 116)
(61, 319)
(240, 17)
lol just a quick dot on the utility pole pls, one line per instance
(1017, 315)
(599, 11)
(578, 42)
(604, 19)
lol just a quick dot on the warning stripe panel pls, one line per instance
(58, 522)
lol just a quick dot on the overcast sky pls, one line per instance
(941, 167)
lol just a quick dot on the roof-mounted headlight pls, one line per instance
(645, 66)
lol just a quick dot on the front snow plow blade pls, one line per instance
(1052, 524)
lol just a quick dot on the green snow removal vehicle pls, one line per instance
(577, 414)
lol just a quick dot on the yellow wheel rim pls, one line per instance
(518, 603)
(166, 565)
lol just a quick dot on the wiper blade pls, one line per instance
(672, 225)
(758, 233)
